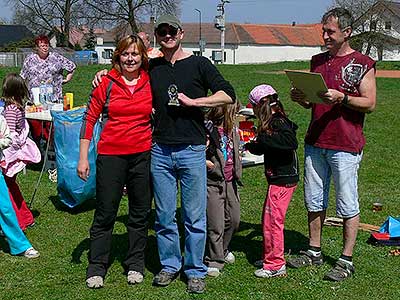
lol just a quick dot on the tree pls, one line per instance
(130, 12)
(44, 16)
(90, 40)
(356, 7)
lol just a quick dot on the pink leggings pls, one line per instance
(273, 220)
(24, 215)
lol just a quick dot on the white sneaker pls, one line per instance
(230, 258)
(213, 272)
(95, 282)
(263, 273)
(134, 277)
(31, 253)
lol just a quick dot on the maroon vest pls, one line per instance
(338, 127)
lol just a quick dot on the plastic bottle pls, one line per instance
(42, 92)
(66, 103)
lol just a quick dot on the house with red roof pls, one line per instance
(244, 43)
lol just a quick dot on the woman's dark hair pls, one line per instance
(124, 44)
(41, 38)
(15, 90)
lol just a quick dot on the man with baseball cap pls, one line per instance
(180, 82)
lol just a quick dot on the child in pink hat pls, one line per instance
(276, 140)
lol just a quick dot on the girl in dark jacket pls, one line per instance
(276, 140)
(224, 170)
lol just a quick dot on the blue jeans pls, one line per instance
(322, 164)
(171, 164)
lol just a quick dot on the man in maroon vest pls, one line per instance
(334, 141)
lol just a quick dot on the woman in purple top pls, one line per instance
(47, 67)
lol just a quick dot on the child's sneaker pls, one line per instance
(213, 272)
(263, 273)
(31, 253)
(230, 258)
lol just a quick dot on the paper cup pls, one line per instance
(35, 94)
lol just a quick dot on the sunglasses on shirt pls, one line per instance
(164, 31)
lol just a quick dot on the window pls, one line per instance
(388, 25)
(196, 53)
(107, 53)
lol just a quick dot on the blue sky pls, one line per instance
(243, 11)
(257, 11)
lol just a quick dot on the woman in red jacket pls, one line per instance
(124, 101)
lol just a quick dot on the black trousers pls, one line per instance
(113, 172)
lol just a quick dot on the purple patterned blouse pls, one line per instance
(36, 70)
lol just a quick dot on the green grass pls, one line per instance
(61, 234)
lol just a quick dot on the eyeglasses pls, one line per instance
(163, 31)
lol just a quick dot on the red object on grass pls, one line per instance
(381, 235)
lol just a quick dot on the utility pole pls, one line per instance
(153, 17)
(200, 40)
(220, 24)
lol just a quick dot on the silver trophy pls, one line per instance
(173, 95)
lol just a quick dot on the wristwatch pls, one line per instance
(345, 99)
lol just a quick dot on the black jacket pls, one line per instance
(279, 149)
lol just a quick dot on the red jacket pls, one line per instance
(126, 118)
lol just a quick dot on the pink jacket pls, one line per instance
(21, 152)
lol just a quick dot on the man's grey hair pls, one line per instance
(343, 16)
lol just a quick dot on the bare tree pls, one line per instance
(356, 7)
(131, 12)
(45, 15)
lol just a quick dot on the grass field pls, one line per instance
(61, 234)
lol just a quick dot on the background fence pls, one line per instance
(16, 59)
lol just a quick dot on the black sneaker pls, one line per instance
(196, 285)
(164, 278)
(306, 258)
(340, 271)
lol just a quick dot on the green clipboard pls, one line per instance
(311, 84)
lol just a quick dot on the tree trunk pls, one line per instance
(67, 20)
(131, 18)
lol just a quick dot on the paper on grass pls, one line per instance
(311, 84)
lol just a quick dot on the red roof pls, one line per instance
(251, 34)
(282, 34)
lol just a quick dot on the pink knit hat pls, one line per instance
(259, 92)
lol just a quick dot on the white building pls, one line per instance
(381, 26)
(244, 43)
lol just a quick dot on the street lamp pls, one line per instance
(200, 41)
